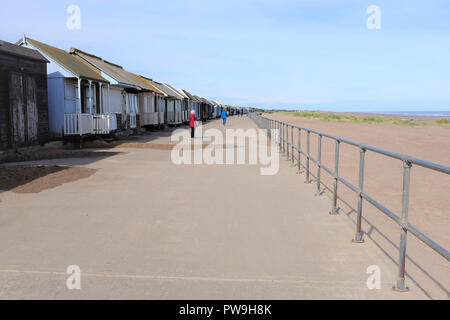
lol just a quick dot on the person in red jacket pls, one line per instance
(192, 119)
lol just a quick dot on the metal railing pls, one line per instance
(283, 134)
(78, 124)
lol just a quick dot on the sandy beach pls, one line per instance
(429, 200)
(405, 116)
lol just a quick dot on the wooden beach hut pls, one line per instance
(200, 107)
(75, 94)
(185, 106)
(23, 97)
(173, 104)
(181, 106)
(160, 100)
(208, 109)
(177, 106)
(152, 110)
(161, 103)
(190, 100)
(194, 103)
(217, 109)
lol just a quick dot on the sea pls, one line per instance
(417, 113)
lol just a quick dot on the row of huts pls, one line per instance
(48, 93)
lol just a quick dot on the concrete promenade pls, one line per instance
(144, 228)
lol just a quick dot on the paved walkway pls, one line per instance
(142, 227)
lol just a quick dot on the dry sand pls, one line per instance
(429, 199)
(411, 117)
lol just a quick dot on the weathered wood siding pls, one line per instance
(23, 102)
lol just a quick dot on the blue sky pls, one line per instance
(311, 54)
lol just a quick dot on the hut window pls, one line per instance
(132, 103)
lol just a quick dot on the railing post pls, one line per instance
(272, 127)
(400, 285)
(279, 134)
(359, 234)
(319, 160)
(292, 145)
(308, 136)
(298, 153)
(285, 137)
(287, 141)
(335, 209)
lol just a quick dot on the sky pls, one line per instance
(310, 54)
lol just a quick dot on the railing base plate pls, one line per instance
(400, 287)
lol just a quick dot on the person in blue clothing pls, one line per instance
(224, 116)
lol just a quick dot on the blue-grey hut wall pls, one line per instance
(56, 106)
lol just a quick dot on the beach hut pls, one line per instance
(153, 110)
(203, 113)
(75, 94)
(125, 92)
(173, 104)
(161, 103)
(217, 109)
(181, 104)
(228, 110)
(190, 100)
(23, 97)
(209, 108)
(204, 107)
(196, 105)
(185, 106)
(178, 102)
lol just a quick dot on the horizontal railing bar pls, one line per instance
(374, 202)
(403, 157)
(433, 245)
(348, 184)
(382, 208)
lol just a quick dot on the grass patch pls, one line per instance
(354, 118)
(442, 121)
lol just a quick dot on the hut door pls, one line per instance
(31, 107)
(70, 97)
(24, 115)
